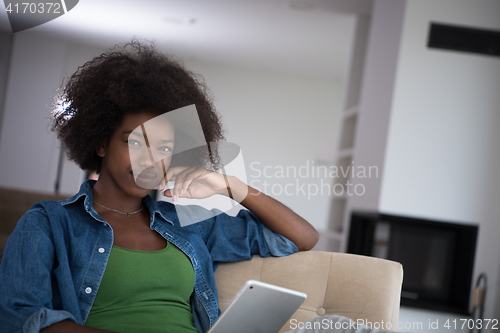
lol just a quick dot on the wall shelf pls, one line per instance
(345, 153)
(350, 112)
(335, 237)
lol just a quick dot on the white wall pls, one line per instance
(278, 120)
(28, 152)
(442, 156)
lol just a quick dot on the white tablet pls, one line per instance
(258, 308)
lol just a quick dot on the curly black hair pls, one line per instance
(125, 80)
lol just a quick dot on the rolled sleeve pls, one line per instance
(279, 246)
(44, 318)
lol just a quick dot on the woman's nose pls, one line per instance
(146, 158)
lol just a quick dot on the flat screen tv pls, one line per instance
(437, 257)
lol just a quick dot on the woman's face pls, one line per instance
(139, 153)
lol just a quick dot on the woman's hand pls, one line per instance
(194, 183)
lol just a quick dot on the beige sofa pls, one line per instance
(357, 287)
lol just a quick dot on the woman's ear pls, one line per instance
(101, 151)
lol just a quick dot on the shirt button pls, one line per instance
(101, 250)
(88, 290)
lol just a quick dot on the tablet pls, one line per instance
(258, 308)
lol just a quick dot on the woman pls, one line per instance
(110, 258)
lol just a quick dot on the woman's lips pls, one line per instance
(147, 175)
(148, 179)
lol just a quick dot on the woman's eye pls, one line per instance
(165, 149)
(133, 143)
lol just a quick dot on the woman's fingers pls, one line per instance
(172, 176)
(179, 182)
(189, 177)
(193, 182)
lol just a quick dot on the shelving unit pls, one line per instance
(335, 237)
(338, 226)
(364, 122)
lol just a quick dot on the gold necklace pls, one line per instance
(126, 214)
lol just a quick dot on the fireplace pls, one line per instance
(437, 256)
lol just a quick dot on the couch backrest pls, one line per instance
(13, 204)
(357, 287)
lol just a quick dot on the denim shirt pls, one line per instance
(55, 258)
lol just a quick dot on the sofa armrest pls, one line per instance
(357, 287)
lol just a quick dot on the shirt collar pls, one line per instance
(168, 214)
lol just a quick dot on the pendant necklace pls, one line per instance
(114, 210)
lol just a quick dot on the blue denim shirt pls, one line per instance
(54, 260)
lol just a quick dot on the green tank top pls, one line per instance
(145, 292)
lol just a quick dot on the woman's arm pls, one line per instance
(66, 326)
(275, 215)
(202, 183)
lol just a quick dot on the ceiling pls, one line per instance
(303, 37)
